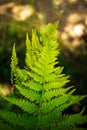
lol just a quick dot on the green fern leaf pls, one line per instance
(18, 120)
(57, 92)
(33, 85)
(72, 120)
(28, 93)
(14, 63)
(6, 126)
(23, 104)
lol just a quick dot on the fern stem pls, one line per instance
(40, 104)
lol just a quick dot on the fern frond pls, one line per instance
(59, 104)
(64, 106)
(36, 46)
(33, 85)
(49, 33)
(57, 92)
(36, 77)
(23, 104)
(6, 126)
(13, 118)
(56, 102)
(72, 120)
(55, 85)
(28, 58)
(20, 75)
(28, 93)
(14, 63)
(33, 50)
(40, 95)
(46, 120)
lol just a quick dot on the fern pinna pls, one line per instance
(40, 98)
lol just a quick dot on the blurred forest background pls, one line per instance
(19, 16)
